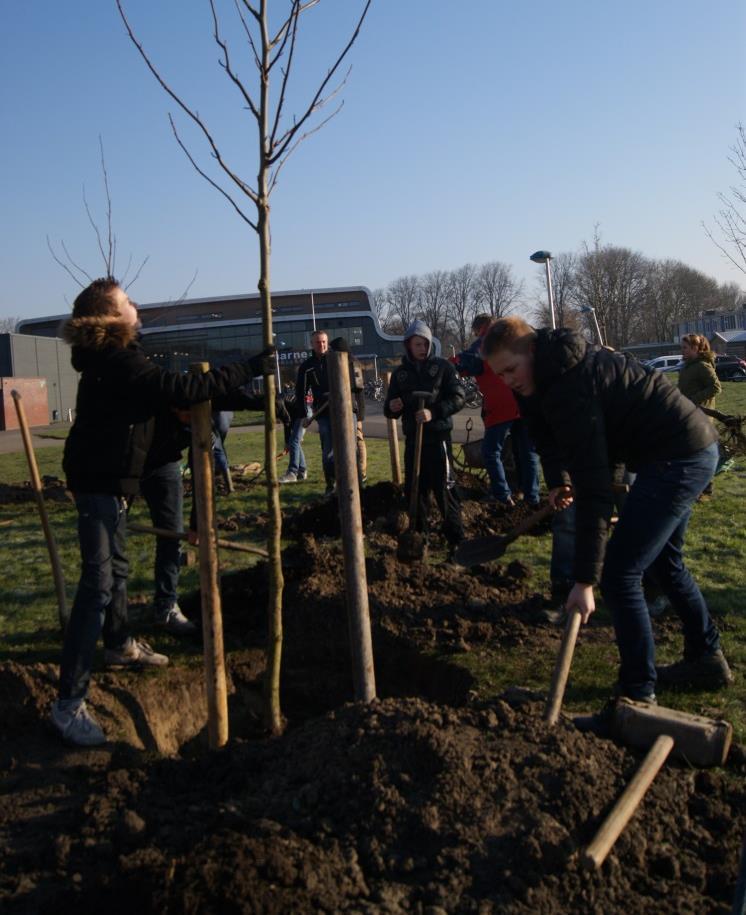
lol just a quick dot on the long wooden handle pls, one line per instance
(309, 419)
(182, 535)
(628, 802)
(415, 491)
(54, 556)
(562, 667)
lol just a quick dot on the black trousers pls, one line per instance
(436, 477)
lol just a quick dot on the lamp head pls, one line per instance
(541, 257)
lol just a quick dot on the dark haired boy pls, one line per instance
(421, 370)
(119, 393)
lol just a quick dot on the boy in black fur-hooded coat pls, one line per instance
(119, 393)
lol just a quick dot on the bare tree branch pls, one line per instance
(288, 154)
(292, 32)
(65, 267)
(226, 64)
(250, 37)
(137, 272)
(188, 111)
(282, 32)
(314, 104)
(209, 180)
(107, 260)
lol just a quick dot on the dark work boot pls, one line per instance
(708, 671)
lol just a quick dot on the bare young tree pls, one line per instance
(272, 49)
(106, 241)
(499, 290)
(731, 218)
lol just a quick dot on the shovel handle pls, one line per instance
(628, 802)
(562, 667)
(181, 535)
(415, 491)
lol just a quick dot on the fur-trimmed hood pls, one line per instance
(98, 332)
(90, 336)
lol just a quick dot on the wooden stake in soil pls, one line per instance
(393, 438)
(351, 522)
(628, 802)
(209, 585)
(54, 558)
(562, 667)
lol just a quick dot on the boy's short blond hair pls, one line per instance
(511, 333)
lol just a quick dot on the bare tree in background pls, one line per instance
(8, 325)
(403, 298)
(272, 50)
(380, 306)
(731, 218)
(106, 241)
(434, 300)
(499, 290)
(464, 296)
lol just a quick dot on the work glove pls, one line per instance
(263, 363)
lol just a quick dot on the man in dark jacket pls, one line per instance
(420, 370)
(119, 392)
(313, 377)
(589, 409)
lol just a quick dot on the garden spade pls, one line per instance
(412, 545)
(485, 549)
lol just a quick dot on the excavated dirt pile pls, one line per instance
(399, 806)
(428, 800)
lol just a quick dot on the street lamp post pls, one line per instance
(589, 309)
(543, 257)
(313, 312)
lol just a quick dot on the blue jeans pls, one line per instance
(295, 448)
(526, 461)
(562, 565)
(492, 448)
(163, 492)
(101, 599)
(650, 534)
(327, 453)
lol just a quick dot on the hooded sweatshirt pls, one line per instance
(435, 376)
(119, 393)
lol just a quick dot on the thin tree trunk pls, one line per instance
(272, 709)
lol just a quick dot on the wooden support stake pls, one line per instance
(203, 494)
(54, 557)
(351, 521)
(182, 535)
(628, 802)
(393, 438)
(562, 667)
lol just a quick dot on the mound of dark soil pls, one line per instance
(398, 806)
(52, 489)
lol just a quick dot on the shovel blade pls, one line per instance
(480, 550)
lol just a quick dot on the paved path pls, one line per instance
(374, 426)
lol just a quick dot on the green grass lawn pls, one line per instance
(716, 554)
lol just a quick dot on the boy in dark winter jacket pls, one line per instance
(420, 370)
(589, 409)
(119, 393)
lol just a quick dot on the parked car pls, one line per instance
(730, 368)
(666, 363)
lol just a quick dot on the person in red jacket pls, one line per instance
(501, 418)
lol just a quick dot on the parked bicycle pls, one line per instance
(373, 390)
(472, 394)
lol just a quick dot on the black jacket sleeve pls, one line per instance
(451, 397)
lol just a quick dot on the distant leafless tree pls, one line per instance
(434, 301)
(380, 305)
(403, 299)
(499, 291)
(8, 325)
(271, 48)
(465, 299)
(731, 218)
(106, 241)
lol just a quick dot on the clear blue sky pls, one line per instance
(471, 131)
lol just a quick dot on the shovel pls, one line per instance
(412, 545)
(485, 549)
